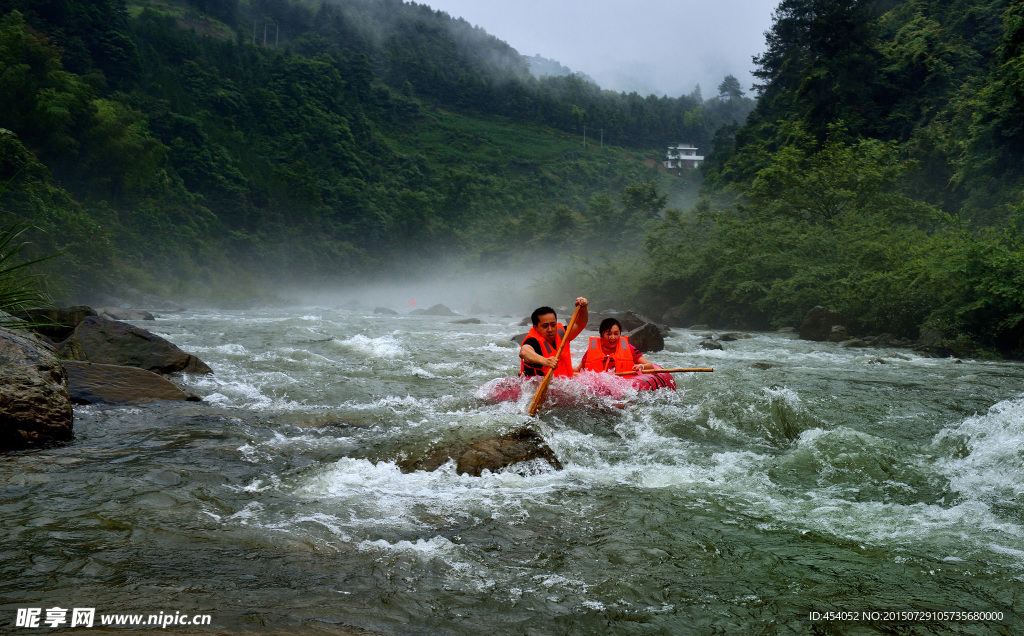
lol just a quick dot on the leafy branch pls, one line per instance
(20, 291)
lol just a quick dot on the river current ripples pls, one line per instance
(837, 480)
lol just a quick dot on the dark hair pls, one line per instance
(540, 311)
(607, 324)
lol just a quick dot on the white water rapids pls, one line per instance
(836, 480)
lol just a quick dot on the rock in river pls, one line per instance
(105, 341)
(521, 448)
(439, 310)
(117, 313)
(90, 383)
(647, 338)
(818, 324)
(710, 344)
(629, 320)
(35, 409)
(733, 336)
(57, 323)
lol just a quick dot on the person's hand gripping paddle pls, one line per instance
(539, 397)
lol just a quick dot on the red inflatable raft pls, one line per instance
(583, 383)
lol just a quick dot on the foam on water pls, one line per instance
(248, 394)
(879, 466)
(375, 500)
(646, 453)
(393, 403)
(962, 531)
(381, 347)
(986, 465)
(295, 443)
(419, 372)
(430, 548)
(294, 355)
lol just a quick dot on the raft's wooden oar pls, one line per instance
(539, 397)
(650, 371)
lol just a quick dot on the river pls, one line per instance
(837, 480)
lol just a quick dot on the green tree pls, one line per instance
(121, 155)
(641, 201)
(994, 147)
(802, 181)
(48, 107)
(821, 65)
(730, 89)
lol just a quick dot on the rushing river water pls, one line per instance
(851, 480)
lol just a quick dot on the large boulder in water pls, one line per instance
(117, 313)
(90, 383)
(818, 324)
(629, 320)
(524, 451)
(733, 336)
(647, 338)
(838, 334)
(57, 323)
(105, 341)
(438, 310)
(682, 315)
(35, 409)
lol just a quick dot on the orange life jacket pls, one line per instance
(598, 361)
(564, 368)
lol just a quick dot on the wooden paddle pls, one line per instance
(539, 397)
(650, 371)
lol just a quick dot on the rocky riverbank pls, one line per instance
(822, 324)
(78, 355)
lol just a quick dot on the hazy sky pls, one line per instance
(651, 46)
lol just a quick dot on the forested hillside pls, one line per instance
(165, 143)
(177, 144)
(881, 174)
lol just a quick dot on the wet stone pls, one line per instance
(522, 448)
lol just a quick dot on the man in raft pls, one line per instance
(541, 343)
(612, 352)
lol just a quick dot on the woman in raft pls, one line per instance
(612, 352)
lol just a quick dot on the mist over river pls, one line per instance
(838, 479)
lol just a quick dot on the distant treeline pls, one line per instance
(881, 174)
(288, 139)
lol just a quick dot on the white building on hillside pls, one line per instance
(682, 156)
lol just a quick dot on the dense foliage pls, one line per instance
(287, 140)
(880, 174)
(19, 290)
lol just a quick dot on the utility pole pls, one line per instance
(264, 34)
(254, 31)
(584, 136)
(277, 30)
